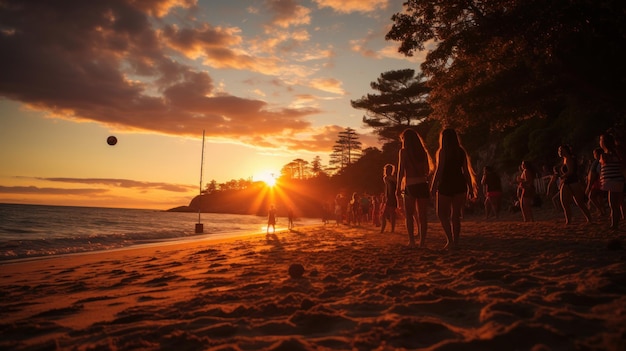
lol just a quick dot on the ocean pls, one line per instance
(29, 231)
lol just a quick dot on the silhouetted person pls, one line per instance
(290, 218)
(454, 183)
(271, 219)
(571, 189)
(492, 187)
(528, 191)
(593, 191)
(612, 178)
(390, 201)
(414, 168)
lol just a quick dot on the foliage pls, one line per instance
(400, 103)
(347, 149)
(499, 63)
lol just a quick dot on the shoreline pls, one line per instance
(539, 286)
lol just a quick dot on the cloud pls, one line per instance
(48, 191)
(106, 62)
(125, 183)
(330, 85)
(348, 6)
(288, 13)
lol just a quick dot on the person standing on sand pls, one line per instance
(390, 201)
(453, 183)
(414, 168)
(290, 218)
(612, 177)
(493, 191)
(571, 189)
(271, 219)
(593, 191)
(527, 185)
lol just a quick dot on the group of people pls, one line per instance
(567, 185)
(450, 180)
(359, 208)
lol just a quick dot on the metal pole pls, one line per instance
(199, 226)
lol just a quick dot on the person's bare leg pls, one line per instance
(615, 201)
(409, 214)
(422, 219)
(458, 201)
(579, 199)
(566, 203)
(443, 212)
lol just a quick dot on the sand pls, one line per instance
(509, 286)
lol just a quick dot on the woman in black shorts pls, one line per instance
(414, 168)
(454, 181)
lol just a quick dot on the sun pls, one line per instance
(267, 177)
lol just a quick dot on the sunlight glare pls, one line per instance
(267, 177)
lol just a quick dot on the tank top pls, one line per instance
(611, 171)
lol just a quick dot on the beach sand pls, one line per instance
(509, 286)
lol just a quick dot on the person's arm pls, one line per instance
(441, 159)
(400, 174)
(471, 189)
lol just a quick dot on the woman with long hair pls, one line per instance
(612, 177)
(453, 183)
(414, 168)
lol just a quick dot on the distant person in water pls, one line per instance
(414, 168)
(390, 201)
(571, 189)
(492, 187)
(290, 218)
(454, 182)
(271, 219)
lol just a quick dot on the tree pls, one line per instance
(401, 103)
(316, 166)
(347, 149)
(501, 62)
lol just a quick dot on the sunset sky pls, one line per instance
(270, 81)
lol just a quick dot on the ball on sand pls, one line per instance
(296, 270)
(111, 140)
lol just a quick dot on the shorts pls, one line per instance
(418, 191)
(614, 186)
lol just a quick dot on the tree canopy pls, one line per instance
(504, 61)
(400, 103)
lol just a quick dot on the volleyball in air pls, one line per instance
(111, 140)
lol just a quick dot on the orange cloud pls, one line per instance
(348, 6)
(288, 13)
(330, 85)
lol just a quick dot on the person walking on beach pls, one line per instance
(527, 186)
(453, 183)
(492, 187)
(571, 189)
(414, 168)
(593, 191)
(271, 220)
(390, 201)
(612, 178)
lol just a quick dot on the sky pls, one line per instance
(268, 81)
